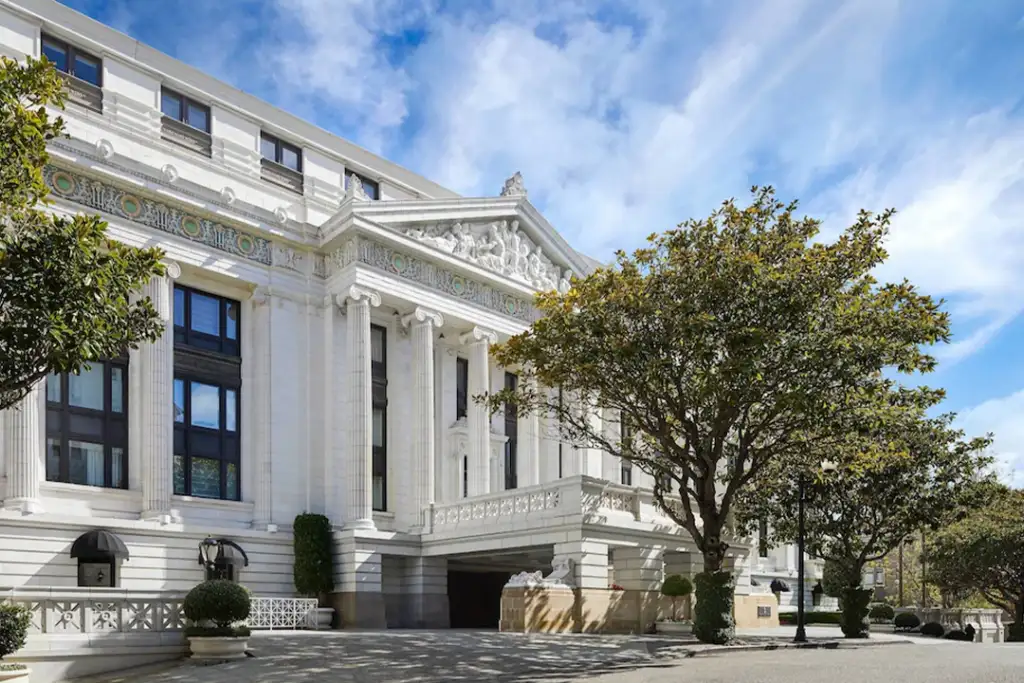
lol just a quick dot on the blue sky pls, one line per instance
(628, 117)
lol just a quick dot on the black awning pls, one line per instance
(99, 545)
(228, 553)
(779, 586)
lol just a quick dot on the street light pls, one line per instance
(208, 552)
(827, 466)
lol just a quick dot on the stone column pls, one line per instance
(24, 434)
(333, 469)
(426, 587)
(590, 562)
(422, 321)
(358, 599)
(259, 393)
(640, 572)
(359, 455)
(529, 439)
(157, 411)
(478, 418)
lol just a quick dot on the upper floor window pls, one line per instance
(180, 108)
(512, 434)
(87, 426)
(626, 473)
(461, 387)
(206, 437)
(281, 152)
(206, 321)
(379, 372)
(371, 187)
(72, 61)
(762, 537)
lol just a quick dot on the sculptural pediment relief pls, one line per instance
(499, 246)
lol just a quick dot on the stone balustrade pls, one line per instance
(988, 623)
(71, 611)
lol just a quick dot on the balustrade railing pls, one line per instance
(70, 611)
(504, 506)
(282, 613)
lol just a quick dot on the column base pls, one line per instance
(26, 506)
(161, 517)
(359, 609)
(264, 526)
(361, 524)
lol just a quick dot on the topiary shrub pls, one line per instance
(14, 623)
(713, 621)
(676, 586)
(1015, 634)
(219, 601)
(881, 613)
(855, 602)
(933, 629)
(810, 618)
(906, 621)
(957, 634)
(313, 570)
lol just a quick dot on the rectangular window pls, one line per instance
(512, 432)
(206, 439)
(626, 473)
(206, 321)
(379, 372)
(626, 439)
(461, 387)
(561, 400)
(762, 538)
(177, 107)
(280, 152)
(72, 61)
(87, 426)
(371, 187)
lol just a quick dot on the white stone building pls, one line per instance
(327, 315)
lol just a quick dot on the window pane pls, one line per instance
(205, 405)
(53, 460)
(231, 483)
(170, 104)
(116, 389)
(53, 388)
(290, 157)
(117, 468)
(232, 320)
(85, 463)
(179, 307)
(378, 493)
(230, 406)
(88, 69)
(205, 478)
(86, 390)
(179, 475)
(378, 427)
(268, 148)
(179, 400)
(56, 54)
(371, 188)
(377, 344)
(205, 314)
(198, 117)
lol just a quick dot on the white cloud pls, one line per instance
(1004, 418)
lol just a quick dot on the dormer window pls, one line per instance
(82, 71)
(185, 122)
(282, 162)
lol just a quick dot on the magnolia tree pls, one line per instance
(726, 344)
(65, 290)
(984, 552)
(896, 471)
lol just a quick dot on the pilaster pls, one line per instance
(426, 589)
(260, 393)
(422, 321)
(23, 432)
(334, 492)
(590, 560)
(641, 569)
(477, 417)
(529, 430)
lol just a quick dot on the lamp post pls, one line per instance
(208, 553)
(801, 631)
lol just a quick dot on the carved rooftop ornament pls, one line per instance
(500, 247)
(514, 186)
(355, 189)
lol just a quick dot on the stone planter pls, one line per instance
(218, 649)
(14, 675)
(677, 627)
(324, 618)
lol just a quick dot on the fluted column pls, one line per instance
(259, 392)
(422, 321)
(23, 447)
(157, 413)
(478, 417)
(359, 455)
(529, 427)
(333, 469)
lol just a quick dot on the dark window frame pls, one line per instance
(461, 387)
(368, 183)
(279, 147)
(512, 435)
(184, 102)
(228, 452)
(625, 466)
(71, 51)
(64, 412)
(220, 343)
(762, 537)
(561, 407)
(379, 378)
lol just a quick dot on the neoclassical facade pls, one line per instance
(328, 317)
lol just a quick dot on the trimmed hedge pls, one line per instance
(313, 571)
(713, 621)
(221, 601)
(881, 613)
(906, 621)
(14, 623)
(676, 586)
(810, 618)
(855, 612)
(933, 629)
(957, 634)
(1016, 634)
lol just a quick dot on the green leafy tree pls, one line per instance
(984, 552)
(64, 287)
(726, 344)
(897, 471)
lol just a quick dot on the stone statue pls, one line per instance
(561, 574)
(356, 190)
(465, 243)
(514, 186)
(565, 284)
(525, 579)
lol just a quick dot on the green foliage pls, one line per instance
(713, 620)
(811, 618)
(314, 555)
(217, 631)
(906, 621)
(881, 613)
(727, 344)
(833, 578)
(676, 586)
(984, 552)
(933, 629)
(221, 601)
(14, 623)
(64, 287)
(1015, 633)
(854, 622)
(957, 634)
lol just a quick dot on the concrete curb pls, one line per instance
(687, 653)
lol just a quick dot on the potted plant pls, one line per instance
(676, 586)
(313, 571)
(14, 623)
(214, 608)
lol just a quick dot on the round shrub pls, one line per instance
(905, 621)
(676, 586)
(221, 601)
(957, 634)
(881, 613)
(933, 629)
(14, 623)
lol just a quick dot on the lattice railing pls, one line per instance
(283, 613)
(77, 611)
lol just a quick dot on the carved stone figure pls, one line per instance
(565, 284)
(524, 580)
(465, 244)
(356, 190)
(561, 574)
(514, 186)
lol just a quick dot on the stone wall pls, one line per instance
(585, 610)
(745, 611)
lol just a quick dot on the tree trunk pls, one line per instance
(1017, 628)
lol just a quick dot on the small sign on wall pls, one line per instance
(764, 611)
